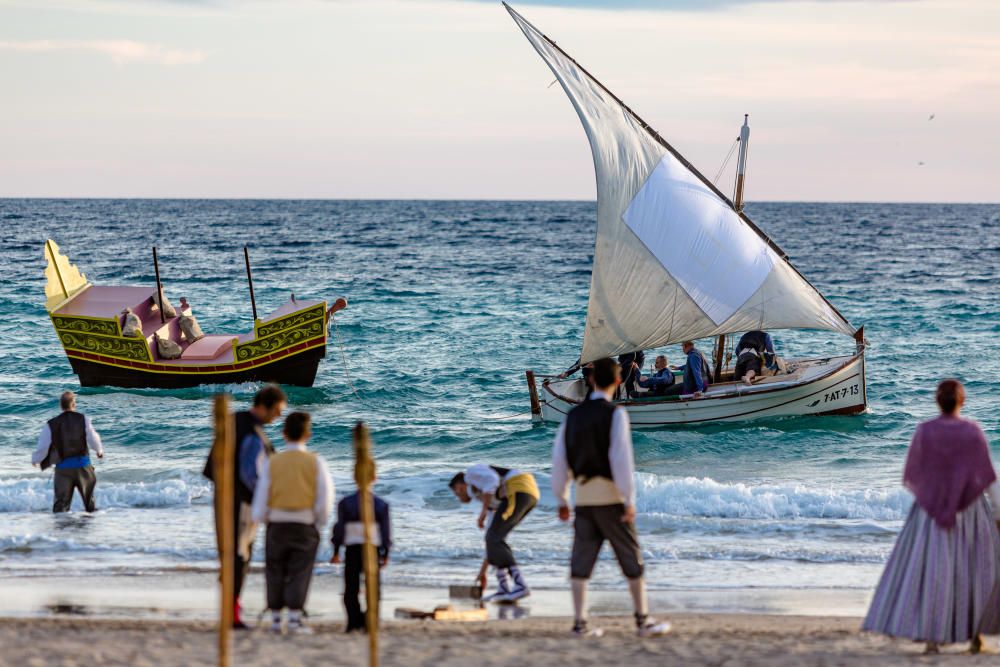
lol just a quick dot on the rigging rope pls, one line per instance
(729, 156)
(343, 357)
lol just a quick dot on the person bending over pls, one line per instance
(510, 495)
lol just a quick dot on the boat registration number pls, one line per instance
(843, 392)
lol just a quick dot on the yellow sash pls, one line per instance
(523, 483)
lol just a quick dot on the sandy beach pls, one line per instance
(712, 639)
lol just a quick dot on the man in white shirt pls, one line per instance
(594, 447)
(294, 496)
(510, 495)
(64, 443)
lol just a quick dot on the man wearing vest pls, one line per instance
(294, 496)
(64, 443)
(252, 449)
(594, 447)
(510, 495)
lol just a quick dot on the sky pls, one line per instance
(877, 100)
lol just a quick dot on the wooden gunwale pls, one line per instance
(760, 392)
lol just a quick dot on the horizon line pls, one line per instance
(472, 199)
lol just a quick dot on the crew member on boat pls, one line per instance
(697, 372)
(631, 367)
(593, 447)
(659, 382)
(510, 495)
(64, 443)
(252, 448)
(754, 351)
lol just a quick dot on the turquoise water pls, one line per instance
(449, 303)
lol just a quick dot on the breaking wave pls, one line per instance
(705, 497)
(34, 495)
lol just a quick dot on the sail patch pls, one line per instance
(702, 242)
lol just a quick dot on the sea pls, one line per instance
(450, 302)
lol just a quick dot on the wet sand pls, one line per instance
(698, 639)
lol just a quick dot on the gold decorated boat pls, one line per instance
(127, 336)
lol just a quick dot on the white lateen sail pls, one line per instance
(674, 260)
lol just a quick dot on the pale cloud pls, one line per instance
(120, 51)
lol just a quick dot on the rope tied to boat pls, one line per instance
(343, 357)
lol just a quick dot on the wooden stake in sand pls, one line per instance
(222, 461)
(364, 476)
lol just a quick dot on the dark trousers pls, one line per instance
(288, 564)
(66, 480)
(244, 532)
(593, 525)
(354, 567)
(498, 552)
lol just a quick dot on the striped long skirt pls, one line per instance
(941, 585)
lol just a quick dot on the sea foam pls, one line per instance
(705, 497)
(33, 495)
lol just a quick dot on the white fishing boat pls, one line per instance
(677, 260)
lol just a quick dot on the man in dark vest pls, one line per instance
(64, 443)
(594, 448)
(252, 449)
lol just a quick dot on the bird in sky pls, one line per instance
(932, 117)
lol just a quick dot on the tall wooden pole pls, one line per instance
(159, 287)
(223, 453)
(364, 475)
(253, 301)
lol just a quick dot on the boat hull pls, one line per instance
(296, 369)
(837, 387)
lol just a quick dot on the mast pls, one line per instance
(159, 288)
(741, 164)
(741, 170)
(253, 301)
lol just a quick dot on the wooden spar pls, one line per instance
(741, 163)
(720, 351)
(159, 288)
(364, 476)
(223, 453)
(741, 170)
(253, 301)
(55, 265)
(536, 405)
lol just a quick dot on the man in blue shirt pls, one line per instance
(659, 382)
(64, 443)
(696, 372)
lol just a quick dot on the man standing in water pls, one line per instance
(252, 449)
(594, 447)
(510, 495)
(64, 443)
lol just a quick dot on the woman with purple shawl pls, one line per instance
(941, 584)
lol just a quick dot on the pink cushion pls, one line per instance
(208, 347)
